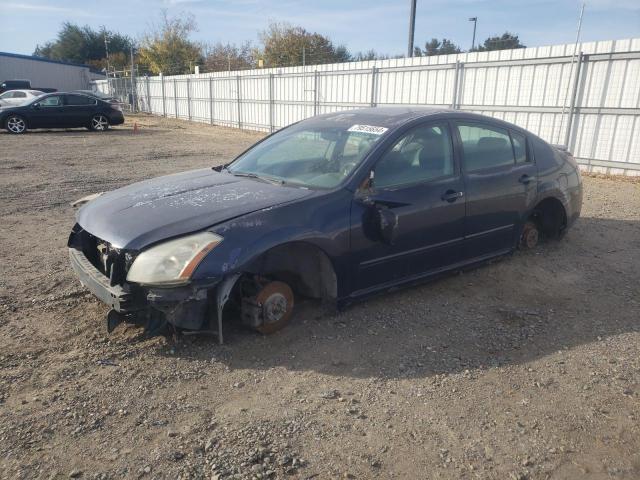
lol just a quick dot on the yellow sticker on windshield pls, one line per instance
(373, 130)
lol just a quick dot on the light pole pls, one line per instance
(412, 28)
(475, 23)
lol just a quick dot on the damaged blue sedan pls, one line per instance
(336, 207)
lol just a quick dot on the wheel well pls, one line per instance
(6, 120)
(305, 267)
(550, 216)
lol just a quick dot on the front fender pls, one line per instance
(322, 222)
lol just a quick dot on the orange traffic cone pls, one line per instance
(135, 127)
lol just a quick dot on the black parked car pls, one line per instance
(22, 85)
(61, 110)
(335, 207)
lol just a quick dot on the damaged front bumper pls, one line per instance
(191, 307)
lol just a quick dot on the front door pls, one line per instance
(500, 184)
(47, 113)
(419, 184)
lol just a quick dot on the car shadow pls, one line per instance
(558, 296)
(112, 131)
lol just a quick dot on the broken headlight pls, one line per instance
(173, 262)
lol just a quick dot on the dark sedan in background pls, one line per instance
(335, 207)
(62, 110)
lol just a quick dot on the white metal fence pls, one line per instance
(589, 101)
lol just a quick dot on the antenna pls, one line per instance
(566, 93)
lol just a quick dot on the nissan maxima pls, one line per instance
(336, 207)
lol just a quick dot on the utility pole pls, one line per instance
(412, 28)
(303, 58)
(229, 62)
(106, 48)
(475, 23)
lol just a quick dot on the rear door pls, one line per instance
(48, 113)
(78, 110)
(420, 182)
(500, 184)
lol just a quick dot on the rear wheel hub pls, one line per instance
(530, 235)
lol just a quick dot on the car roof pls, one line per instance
(67, 93)
(396, 116)
(381, 116)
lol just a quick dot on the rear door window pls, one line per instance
(80, 100)
(485, 146)
(519, 147)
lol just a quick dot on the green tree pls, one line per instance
(504, 42)
(437, 47)
(220, 57)
(283, 45)
(84, 45)
(368, 55)
(167, 47)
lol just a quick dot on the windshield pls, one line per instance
(316, 156)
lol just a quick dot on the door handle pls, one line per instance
(526, 179)
(451, 196)
(372, 201)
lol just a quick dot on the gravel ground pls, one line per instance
(528, 368)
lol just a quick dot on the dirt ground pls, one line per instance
(528, 368)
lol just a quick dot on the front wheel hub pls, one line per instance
(271, 308)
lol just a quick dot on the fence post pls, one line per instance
(374, 74)
(189, 98)
(238, 101)
(271, 102)
(148, 96)
(574, 93)
(316, 94)
(211, 100)
(164, 100)
(134, 88)
(454, 99)
(175, 96)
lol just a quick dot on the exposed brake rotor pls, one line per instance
(530, 235)
(275, 301)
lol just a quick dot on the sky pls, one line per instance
(359, 24)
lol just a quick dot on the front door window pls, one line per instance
(54, 101)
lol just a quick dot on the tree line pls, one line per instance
(168, 48)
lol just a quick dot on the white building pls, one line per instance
(46, 73)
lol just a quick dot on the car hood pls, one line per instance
(147, 212)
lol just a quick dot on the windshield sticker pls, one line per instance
(373, 130)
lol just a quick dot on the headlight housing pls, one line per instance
(172, 263)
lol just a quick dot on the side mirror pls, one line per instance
(36, 106)
(388, 224)
(379, 221)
